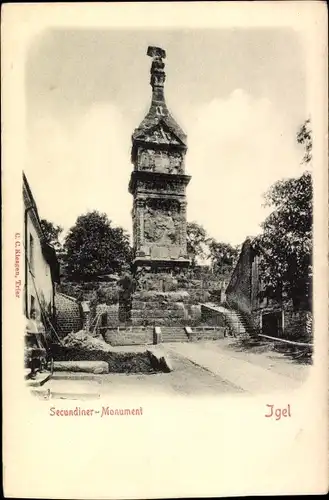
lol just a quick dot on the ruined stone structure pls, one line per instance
(274, 316)
(158, 185)
(158, 182)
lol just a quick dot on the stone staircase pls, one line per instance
(242, 326)
(231, 317)
(238, 322)
(173, 334)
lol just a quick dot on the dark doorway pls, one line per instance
(272, 324)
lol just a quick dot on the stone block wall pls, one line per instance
(108, 317)
(157, 281)
(129, 336)
(164, 308)
(199, 295)
(69, 317)
(212, 317)
(207, 334)
(163, 298)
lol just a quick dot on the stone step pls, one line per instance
(169, 337)
(39, 380)
(174, 334)
(96, 367)
(172, 330)
(180, 334)
(175, 339)
(177, 332)
(69, 375)
(159, 359)
(181, 331)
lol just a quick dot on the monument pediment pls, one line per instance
(159, 134)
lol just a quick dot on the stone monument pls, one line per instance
(158, 185)
(158, 181)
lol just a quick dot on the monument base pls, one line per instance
(159, 308)
(162, 299)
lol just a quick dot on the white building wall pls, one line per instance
(38, 276)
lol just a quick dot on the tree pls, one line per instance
(286, 243)
(51, 233)
(196, 239)
(223, 256)
(304, 137)
(94, 247)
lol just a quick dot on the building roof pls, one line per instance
(49, 254)
(48, 250)
(30, 205)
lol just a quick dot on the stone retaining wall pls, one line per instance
(129, 336)
(212, 317)
(206, 334)
(69, 316)
(110, 318)
(164, 308)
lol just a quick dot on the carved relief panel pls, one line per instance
(162, 223)
(176, 163)
(162, 162)
(167, 162)
(160, 228)
(145, 159)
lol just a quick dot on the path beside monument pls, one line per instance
(186, 379)
(238, 369)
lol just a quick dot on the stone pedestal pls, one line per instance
(163, 299)
(160, 308)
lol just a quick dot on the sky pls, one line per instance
(239, 95)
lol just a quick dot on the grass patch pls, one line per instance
(119, 362)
